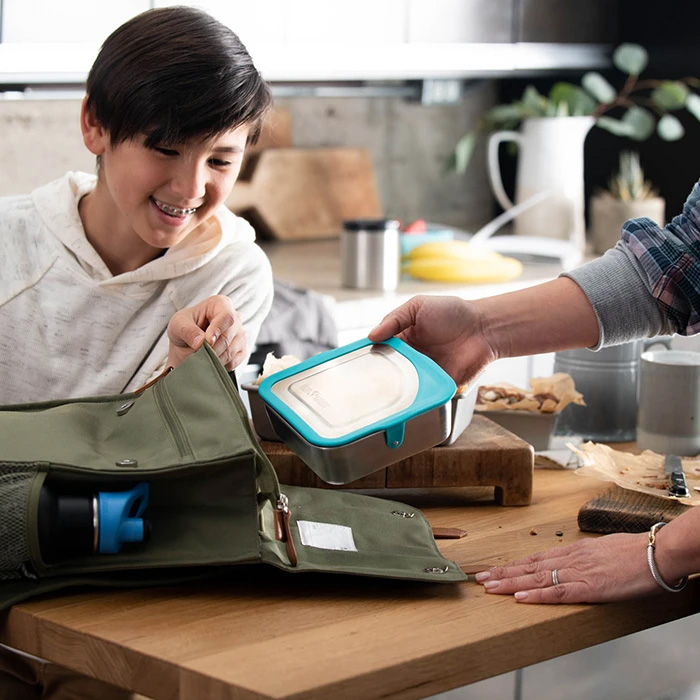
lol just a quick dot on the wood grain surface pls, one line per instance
(484, 455)
(305, 193)
(262, 633)
(623, 510)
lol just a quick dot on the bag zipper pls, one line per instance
(283, 532)
(171, 420)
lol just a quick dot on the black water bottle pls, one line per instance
(78, 524)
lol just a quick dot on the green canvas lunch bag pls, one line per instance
(213, 498)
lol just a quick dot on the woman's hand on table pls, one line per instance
(595, 570)
(449, 330)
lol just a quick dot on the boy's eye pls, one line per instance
(218, 163)
(166, 151)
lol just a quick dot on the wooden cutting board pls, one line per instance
(622, 510)
(305, 193)
(276, 131)
(484, 455)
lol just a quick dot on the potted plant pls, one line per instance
(648, 105)
(549, 179)
(629, 196)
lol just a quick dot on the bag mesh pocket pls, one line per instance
(15, 485)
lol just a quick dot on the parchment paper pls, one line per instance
(546, 395)
(643, 472)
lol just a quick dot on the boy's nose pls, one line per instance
(189, 182)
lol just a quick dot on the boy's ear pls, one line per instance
(95, 136)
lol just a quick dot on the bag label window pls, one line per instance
(326, 536)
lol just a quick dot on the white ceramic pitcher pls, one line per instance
(549, 176)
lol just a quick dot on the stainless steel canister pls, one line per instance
(608, 381)
(369, 254)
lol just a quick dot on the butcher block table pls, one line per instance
(485, 454)
(262, 633)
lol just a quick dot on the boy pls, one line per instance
(106, 281)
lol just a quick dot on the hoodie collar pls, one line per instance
(57, 204)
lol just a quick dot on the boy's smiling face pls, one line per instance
(147, 199)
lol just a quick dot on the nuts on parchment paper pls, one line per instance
(546, 395)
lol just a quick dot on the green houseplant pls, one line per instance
(628, 196)
(648, 105)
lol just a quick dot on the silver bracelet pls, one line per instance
(652, 564)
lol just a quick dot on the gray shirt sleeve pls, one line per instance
(617, 288)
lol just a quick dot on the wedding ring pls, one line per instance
(555, 577)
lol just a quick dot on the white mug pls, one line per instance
(668, 417)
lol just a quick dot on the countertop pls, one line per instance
(262, 633)
(316, 265)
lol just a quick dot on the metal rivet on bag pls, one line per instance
(403, 514)
(436, 569)
(124, 408)
(396, 443)
(127, 463)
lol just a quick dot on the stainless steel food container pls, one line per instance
(341, 465)
(351, 411)
(462, 412)
(261, 421)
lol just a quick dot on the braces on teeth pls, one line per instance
(174, 210)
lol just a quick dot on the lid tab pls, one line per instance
(395, 435)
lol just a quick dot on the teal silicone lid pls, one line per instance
(435, 388)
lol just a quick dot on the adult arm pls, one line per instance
(463, 336)
(603, 569)
(649, 284)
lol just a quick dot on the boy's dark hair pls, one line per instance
(175, 73)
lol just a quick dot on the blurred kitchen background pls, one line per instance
(404, 79)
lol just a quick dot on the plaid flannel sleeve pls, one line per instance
(670, 259)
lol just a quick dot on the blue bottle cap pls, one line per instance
(119, 518)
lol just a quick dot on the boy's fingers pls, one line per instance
(187, 335)
(231, 346)
(235, 360)
(219, 324)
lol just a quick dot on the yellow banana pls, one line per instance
(457, 261)
(450, 249)
(460, 270)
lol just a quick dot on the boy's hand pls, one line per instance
(214, 320)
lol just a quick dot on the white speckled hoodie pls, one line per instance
(68, 327)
